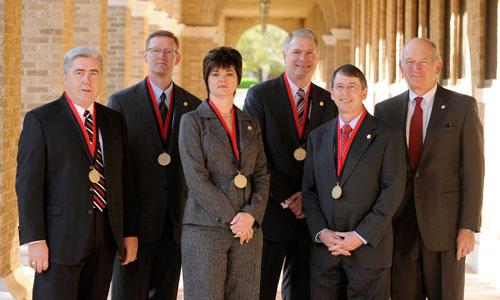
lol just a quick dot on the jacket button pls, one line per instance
(417, 175)
(90, 211)
(219, 220)
(91, 189)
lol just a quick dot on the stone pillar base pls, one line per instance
(19, 285)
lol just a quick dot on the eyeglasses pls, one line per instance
(158, 51)
(351, 88)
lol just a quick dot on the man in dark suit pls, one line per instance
(75, 208)
(434, 227)
(353, 183)
(287, 108)
(152, 110)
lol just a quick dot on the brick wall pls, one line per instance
(91, 17)
(47, 33)
(10, 110)
(195, 44)
(119, 46)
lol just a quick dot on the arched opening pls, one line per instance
(262, 56)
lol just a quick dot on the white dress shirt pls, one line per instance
(426, 106)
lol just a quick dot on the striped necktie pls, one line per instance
(301, 105)
(99, 188)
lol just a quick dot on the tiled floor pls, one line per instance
(475, 289)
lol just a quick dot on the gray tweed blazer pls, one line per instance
(207, 160)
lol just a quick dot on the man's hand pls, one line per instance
(296, 205)
(347, 241)
(328, 238)
(38, 254)
(465, 243)
(130, 245)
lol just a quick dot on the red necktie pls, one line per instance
(99, 188)
(416, 133)
(344, 138)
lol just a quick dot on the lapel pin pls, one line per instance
(321, 103)
(369, 136)
(249, 127)
(185, 103)
(443, 106)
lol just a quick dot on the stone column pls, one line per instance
(91, 29)
(11, 271)
(119, 44)
(195, 41)
(338, 45)
(140, 31)
(47, 34)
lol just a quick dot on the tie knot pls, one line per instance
(346, 129)
(419, 100)
(87, 114)
(301, 93)
(163, 96)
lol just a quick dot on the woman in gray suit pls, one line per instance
(225, 168)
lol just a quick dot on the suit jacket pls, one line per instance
(161, 190)
(445, 192)
(269, 103)
(207, 158)
(52, 183)
(372, 182)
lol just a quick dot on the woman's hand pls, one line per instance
(241, 226)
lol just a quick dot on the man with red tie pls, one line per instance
(152, 111)
(435, 225)
(353, 183)
(73, 187)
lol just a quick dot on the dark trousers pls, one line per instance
(154, 275)
(90, 278)
(296, 255)
(342, 279)
(420, 273)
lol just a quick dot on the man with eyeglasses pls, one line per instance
(354, 179)
(288, 108)
(152, 110)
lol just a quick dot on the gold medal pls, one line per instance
(336, 191)
(94, 176)
(240, 181)
(164, 159)
(299, 154)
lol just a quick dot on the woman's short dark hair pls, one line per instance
(224, 57)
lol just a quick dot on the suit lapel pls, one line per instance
(283, 103)
(317, 109)
(214, 124)
(439, 110)
(103, 126)
(365, 135)
(72, 125)
(148, 119)
(181, 106)
(330, 150)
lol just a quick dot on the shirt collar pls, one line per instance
(157, 90)
(82, 110)
(353, 121)
(428, 97)
(295, 88)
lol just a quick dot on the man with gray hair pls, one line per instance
(435, 225)
(76, 210)
(288, 108)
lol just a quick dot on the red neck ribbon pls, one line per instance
(233, 135)
(300, 129)
(342, 156)
(163, 127)
(90, 144)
